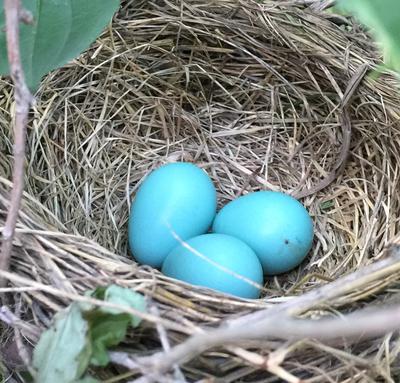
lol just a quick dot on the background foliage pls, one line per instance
(382, 17)
(60, 31)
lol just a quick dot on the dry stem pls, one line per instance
(276, 322)
(23, 100)
(361, 325)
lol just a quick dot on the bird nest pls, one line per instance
(271, 96)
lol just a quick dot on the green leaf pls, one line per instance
(83, 333)
(108, 326)
(61, 30)
(121, 296)
(63, 351)
(125, 297)
(97, 293)
(107, 330)
(383, 18)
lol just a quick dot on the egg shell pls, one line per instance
(275, 225)
(176, 200)
(224, 253)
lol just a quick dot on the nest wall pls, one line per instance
(253, 93)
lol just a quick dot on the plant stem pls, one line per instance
(23, 101)
(360, 325)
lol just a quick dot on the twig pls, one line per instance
(123, 359)
(9, 318)
(340, 163)
(329, 292)
(345, 123)
(363, 324)
(24, 352)
(162, 333)
(10, 379)
(271, 363)
(276, 322)
(14, 352)
(23, 101)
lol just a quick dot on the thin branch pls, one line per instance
(23, 101)
(9, 318)
(271, 363)
(345, 123)
(162, 333)
(24, 351)
(347, 284)
(277, 323)
(360, 325)
(123, 359)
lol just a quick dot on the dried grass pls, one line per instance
(252, 94)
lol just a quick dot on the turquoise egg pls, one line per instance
(275, 225)
(177, 200)
(223, 253)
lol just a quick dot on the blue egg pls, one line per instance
(275, 225)
(216, 261)
(177, 200)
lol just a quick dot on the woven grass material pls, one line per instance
(251, 93)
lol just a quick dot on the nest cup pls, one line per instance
(259, 96)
